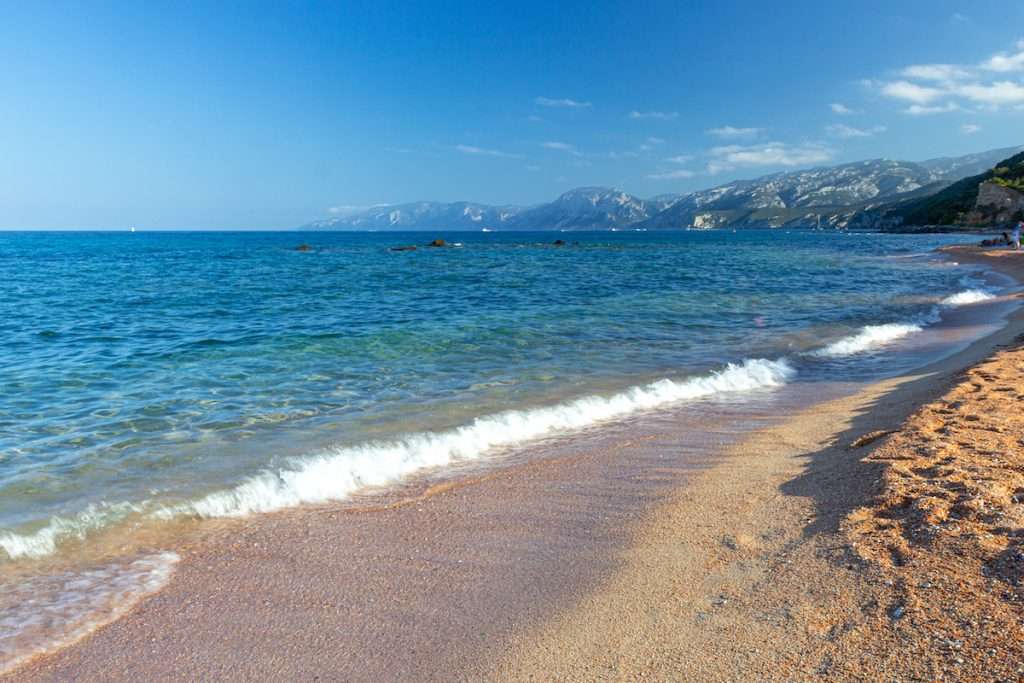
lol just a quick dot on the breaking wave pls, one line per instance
(966, 297)
(336, 474)
(44, 541)
(868, 338)
(873, 336)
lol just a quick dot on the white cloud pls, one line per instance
(1003, 63)
(769, 154)
(1000, 92)
(533, 118)
(970, 128)
(912, 92)
(657, 115)
(532, 167)
(935, 72)
(656, 141)
(840, 108)
(680, 174)
(680, 159)
(923, 86)
(562, 103)
(561, 147)
(922, 110)
(480, 151)
(958, 18)
(840, 130)
(733, 132)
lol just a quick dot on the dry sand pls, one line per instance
(806, 553)
(845, 544)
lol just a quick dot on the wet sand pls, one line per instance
(623, 556)
(426, 587)
(846, 544)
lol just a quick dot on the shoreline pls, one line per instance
(152, 641)
(778, 577)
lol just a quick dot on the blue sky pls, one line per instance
(223, 115)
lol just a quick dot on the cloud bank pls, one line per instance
(940, 88)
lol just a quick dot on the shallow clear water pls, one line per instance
(150, 379)
(168, 374)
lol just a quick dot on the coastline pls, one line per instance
(784, 569)
(251, 606)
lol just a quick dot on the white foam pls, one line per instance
(44, 541)
(967, 297)
(867, 339)
(874, 336)
(43, 613)
(336, 474)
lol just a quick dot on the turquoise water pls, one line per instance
(153, 378)
(158, 375)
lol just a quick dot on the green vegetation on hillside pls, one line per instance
(949, 206)
(1010, 176)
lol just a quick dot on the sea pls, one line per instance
(151, 380)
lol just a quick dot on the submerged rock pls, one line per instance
(303, 247)
(411, 247)
(438, 243)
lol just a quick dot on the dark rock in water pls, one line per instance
(559, 243)
(411, 247)
(438, 243)
(303, 247)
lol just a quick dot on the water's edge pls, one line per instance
(313, 480)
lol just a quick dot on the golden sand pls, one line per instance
(875, 537)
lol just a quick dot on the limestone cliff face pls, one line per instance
(996, 204)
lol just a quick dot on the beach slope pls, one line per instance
(806, 552)
(848, 543)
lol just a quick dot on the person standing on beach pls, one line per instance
(1015, 236)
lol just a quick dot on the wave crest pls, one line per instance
(966, 297)
(44, 541)
(868, 338)
(336, 474)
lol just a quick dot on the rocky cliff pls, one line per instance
(996, 204)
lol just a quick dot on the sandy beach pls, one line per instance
(875, 536)
(849, 543)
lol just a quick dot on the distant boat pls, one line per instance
(131, 229)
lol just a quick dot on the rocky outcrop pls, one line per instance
(989, 199)
(996, 204)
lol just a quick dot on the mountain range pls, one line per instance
(854, 195)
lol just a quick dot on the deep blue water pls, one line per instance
(140, 373)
